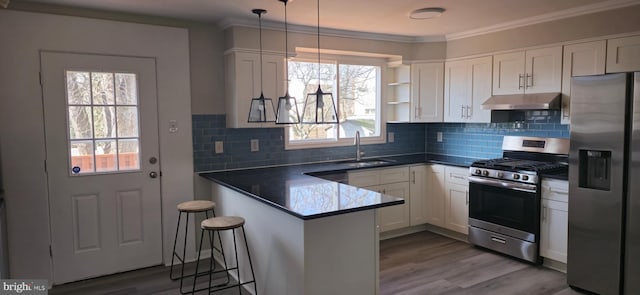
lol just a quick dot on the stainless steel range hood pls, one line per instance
(533, 101)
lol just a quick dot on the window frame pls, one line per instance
(380, 112)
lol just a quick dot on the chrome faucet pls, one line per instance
(359, 153)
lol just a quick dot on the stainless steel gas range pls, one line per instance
(504, 194)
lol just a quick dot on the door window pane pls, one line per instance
(127, 121)
(80, 122)
(102, 88)
(82, 157)
(128, 154)
(103, 122)
(106, 155)
(126, 89)
(78, 88)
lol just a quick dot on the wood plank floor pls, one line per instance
(421, 263)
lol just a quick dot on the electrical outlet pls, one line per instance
(219, 147)
(390, 137)
(439, 136)
(255, 145)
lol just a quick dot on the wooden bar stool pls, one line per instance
(188, 208)
(217, 224)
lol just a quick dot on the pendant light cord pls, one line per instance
(286, 49)
(260, 25)
(319, 44)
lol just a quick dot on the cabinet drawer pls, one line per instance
(364, 178)
(555, 189)
(393, 175)
(457, 175)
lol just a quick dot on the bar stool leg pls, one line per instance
(184, 253)
(246, 244)
(235, 247)
(173, 254)
(221, 250)
(195, 277)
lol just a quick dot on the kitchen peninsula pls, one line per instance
(307, 235)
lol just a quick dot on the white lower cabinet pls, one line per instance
(456, 199)
(390, 181)
(435, 195)
(448, 197)
(554, 219)
(418, 188)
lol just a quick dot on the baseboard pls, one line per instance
(555, 265)
(447, 233)
(402, 232)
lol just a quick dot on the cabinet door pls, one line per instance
(544, 70)
(364, 178)
(418, 191)
(243, 83)
(456, 91)
(457, 207)
(398, 216)
(435, 201)
(508, 73)
(480, 70)
(427, 85)
(580, 60)
(392, 175)
(554, 230)
(623, 54)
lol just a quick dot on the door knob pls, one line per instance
(153, 174)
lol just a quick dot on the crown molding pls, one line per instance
(567, 13)
(278, 26)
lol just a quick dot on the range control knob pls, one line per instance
(516, 176)
(478, 171)
(500, 175)
(485, 173)
(525, 177)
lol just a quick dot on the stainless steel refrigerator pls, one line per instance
(604, 184)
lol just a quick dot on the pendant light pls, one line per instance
(319, 107)
(287, 112)
(261, 109)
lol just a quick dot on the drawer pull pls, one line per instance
(499, 240)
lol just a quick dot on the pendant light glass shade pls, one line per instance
(287, 105)
(261, 109)
(319, 106)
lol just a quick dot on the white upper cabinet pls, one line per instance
(580, 60)
(242, 79)
(427, 85)
(533, 71)
(467, 86)
(623, 54)
(398, 93)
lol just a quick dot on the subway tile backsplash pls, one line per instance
(472, 140)
(207, 129)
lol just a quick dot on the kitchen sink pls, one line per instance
(366, 163)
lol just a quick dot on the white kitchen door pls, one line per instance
(101, 128)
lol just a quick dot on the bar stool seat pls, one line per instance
(215, 225)
(222, 223)
(196, 206)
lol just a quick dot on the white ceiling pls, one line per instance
(385, 17)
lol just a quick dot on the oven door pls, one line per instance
(494, 204)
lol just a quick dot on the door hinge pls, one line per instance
(50, 252)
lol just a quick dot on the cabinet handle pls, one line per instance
(520, 78)
(544, 212)
(461, 111)
(529, 77)
(413, 176)
(469, 111)
(458, 177)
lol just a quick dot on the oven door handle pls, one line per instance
(530, 188)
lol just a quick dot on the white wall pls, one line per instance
(23, 34)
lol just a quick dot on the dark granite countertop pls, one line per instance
(292, 190)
